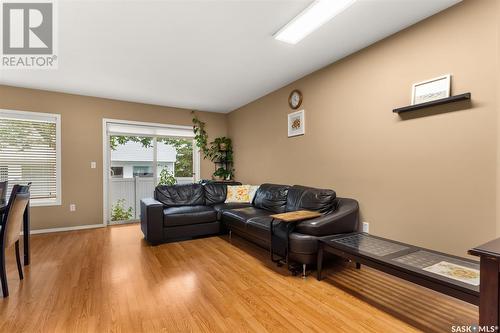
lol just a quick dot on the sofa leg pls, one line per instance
(230, 234)
(304, 268)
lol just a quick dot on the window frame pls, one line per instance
(42, 116)
(117, 176)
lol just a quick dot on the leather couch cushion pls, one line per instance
(309, 198)
(222, 207)
(271, 197)
(239, 217)
(215, 193)
(259, 227)
(187, 215)
(180, 195)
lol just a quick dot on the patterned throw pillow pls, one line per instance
(240, 193)
(252, 190)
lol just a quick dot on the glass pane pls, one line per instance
(131, 175)
(117, 172)
(143, 171)
(175, 160)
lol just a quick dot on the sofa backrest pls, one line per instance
(180, 195)
(271, 197)
(215, 193)
(310, 198)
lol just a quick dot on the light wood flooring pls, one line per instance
(110, 280)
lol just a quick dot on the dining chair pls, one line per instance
(3, 191)
(11, 228)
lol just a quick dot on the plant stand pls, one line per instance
(223, 162)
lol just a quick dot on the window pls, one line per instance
(143, 171)
(117, 172)
(30, 152)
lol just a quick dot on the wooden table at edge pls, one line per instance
(295, 216)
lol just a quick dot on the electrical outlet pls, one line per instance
(93, 165)
(72, 207)
(366, 227)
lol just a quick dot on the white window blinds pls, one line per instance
(30, 152)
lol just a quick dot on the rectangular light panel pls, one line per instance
(310, 19)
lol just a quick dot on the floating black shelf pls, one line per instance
(451, 99)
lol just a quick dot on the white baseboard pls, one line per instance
(77, 227)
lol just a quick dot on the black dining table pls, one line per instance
(26, 230)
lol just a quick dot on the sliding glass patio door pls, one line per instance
(141, 156)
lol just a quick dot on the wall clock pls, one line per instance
(295, 99)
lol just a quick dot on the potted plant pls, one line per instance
(222, 143)
(229, 174)
(200, 136)
(223, 174)
(219, 151)
(220, 174)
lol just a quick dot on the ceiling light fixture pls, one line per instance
(310, 19)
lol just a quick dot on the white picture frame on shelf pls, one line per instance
(296, 123)
(431, 90)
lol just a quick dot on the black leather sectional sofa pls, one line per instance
(185, 211)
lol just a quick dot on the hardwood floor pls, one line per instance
(110, 280)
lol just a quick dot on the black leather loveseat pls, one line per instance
(185, 211)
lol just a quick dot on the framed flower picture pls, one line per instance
(296, 123)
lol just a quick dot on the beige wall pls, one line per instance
(81, 125)
(428, 179)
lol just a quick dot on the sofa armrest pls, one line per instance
(344, 219)
(152, 220)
